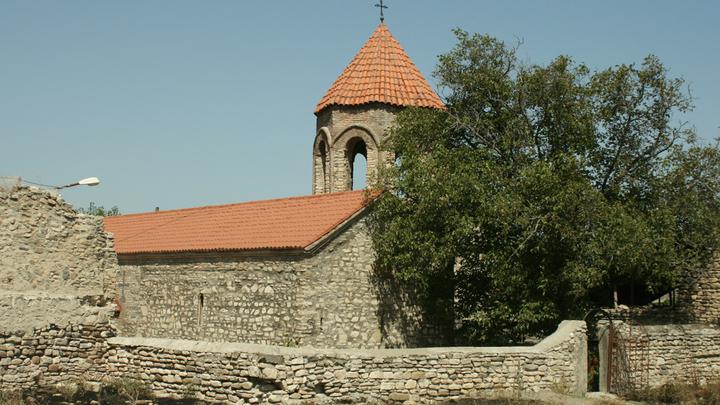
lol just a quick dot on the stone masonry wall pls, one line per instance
(36, 309)
(245, 373)
(704, 294)
(52, 353)
(329, 299)
(697, 300)
(652, 355)
(46, 246)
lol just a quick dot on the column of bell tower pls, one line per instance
(355, 114)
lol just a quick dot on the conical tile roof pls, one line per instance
(381, 72)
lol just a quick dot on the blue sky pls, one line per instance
(185, 103)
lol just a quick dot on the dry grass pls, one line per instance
(496, 401)
(113, 391)
(11, 398)
(689, 394)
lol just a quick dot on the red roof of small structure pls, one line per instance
(381, 72)
(287, 223)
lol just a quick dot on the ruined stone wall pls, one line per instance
(703, 294)
(232, 373)
(329, 299)
(653, 355)
(696, 300)
(46, 246)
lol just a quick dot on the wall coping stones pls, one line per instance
(564, 330)
(677, 329)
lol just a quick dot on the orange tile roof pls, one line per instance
(287, 223)
(381, 72)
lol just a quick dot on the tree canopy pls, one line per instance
(99, 210)
(541, 190)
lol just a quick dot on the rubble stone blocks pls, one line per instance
(46, 245)
(239, 373)
(703, 294)
(653, 355)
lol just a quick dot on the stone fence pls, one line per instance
(239, 373)
(653, 355)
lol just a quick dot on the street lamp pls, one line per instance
(90, 181)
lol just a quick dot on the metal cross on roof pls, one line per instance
(381, 6)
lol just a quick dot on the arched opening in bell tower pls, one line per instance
(354, 159)
(358, 165)
(321, 169)
(322, 147)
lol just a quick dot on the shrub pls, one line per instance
(123, 390)
(11, 397)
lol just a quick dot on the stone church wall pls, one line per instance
(329, 299)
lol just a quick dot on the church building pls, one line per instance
(291, 271)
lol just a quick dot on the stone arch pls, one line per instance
(355, 147)
(353, 141)
(361, 128)
(321, 163)
(324, 132)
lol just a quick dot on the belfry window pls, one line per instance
(357, 163)
(321, 166)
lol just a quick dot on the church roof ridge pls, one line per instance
(210, 206)
(381, 72)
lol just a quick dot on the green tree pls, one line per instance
(99, 210)
(542, 189)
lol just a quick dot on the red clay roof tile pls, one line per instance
(287, 223)
(381, 72)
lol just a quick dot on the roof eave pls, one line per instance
(326, 106)
(207, 256)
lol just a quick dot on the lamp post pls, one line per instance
(90, 181)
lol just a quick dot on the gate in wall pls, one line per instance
(601, 338)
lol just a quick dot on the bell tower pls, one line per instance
(355, 114)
